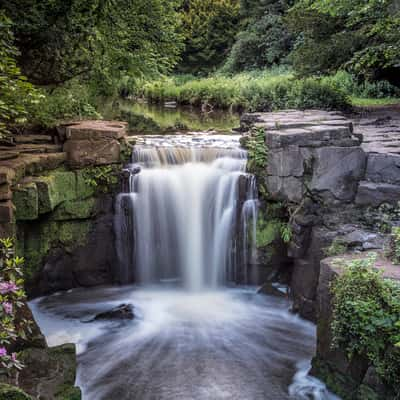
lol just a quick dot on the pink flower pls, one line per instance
(14, 356)
(7, 307)
(6, 287)
(3, 351)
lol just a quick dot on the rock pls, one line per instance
(374, 194)
(83, 153)
(96, 130)
(123, 311)
(383, 168)
(29, 139)
(338, 170)
(6, 175)
(281, 188)
(286, 162)
(26, 201)
(270, 290)
(5, 192)
(6, 212)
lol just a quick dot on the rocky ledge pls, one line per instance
(355, 377)
(333, 186)
(56, 197)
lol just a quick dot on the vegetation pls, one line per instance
(366, 317)
(393, 250)
(336, 248)
(269, 90)
(13, 325)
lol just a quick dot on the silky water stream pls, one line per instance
(183, 233)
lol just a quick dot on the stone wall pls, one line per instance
(355, 377)
(332, 187)
(59, 203)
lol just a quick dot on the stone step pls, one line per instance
(39, 148)
(8, 155)
(33, 139)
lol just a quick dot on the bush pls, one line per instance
(265, 91)
(393, 250)
(366, 317)
(12, 300)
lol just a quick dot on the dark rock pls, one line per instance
(289, 189)
(123, 311)
(338, 170)
(375, 194)
(270, 290)
(383, 168)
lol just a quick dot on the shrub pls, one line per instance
(366, 317)
(12, 300)
(393, 250)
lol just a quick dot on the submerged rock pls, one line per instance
(123, 311)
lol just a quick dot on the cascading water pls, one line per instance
(188, 199)
(188, 215)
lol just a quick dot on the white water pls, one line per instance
(186, 219)
(186, 210)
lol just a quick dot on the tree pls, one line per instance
(362, 36)
(16, 94)
(209, 27)
(62, 39)
(264, 40)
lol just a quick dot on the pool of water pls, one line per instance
(169, 117)
(225, 344)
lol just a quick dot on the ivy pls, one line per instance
(257, 151)
(366, 317)
(102, 178)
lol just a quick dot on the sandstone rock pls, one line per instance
(383, 168)
(338, 171)
(82, 153)
(374, 194)
(5, 192)
(6, 175)
(96, 130)
(6, 212)
(37, 139)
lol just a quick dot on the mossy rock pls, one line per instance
(75, 209)
(8, 392)
(26, 202)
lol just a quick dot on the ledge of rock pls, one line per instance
(350, 378)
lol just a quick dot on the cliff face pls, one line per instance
(336, 189)
(59, 204)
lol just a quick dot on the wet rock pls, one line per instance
(123, 311)
(270, 290)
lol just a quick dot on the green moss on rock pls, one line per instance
(26, 202)
(8, 392)
(75, 209)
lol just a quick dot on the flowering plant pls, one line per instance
(12, 299)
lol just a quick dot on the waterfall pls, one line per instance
(189, 213)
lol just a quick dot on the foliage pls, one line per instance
(100, 39)
(71, 101)
(264, 40)
(366, 317)
(266, 91)
(393, 250)
(16, 94)
(336, 248)
(257, 151)
(209, 27)
(286, 233)
(12, 299)
(103, 178)
(361, 36)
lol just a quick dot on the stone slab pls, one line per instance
(383, 168)
(375, 194)
(85, 130)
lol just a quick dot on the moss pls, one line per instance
(42, 237)
(68, 392)
(75, 209)
(26, 201)
(267, 231)
(83, 188)
(367, 393)
(54, 189)
(8, 392)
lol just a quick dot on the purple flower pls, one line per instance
(7, 307)
(3, 351)
(6, 287)
(14, 356)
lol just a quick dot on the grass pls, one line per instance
(258, 91)
(371, 102)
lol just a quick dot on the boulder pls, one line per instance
(338, 171)
(95, 130)
(83, 153)
(26, 201)
(123, 311)
(383, 168)
(375, 194)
